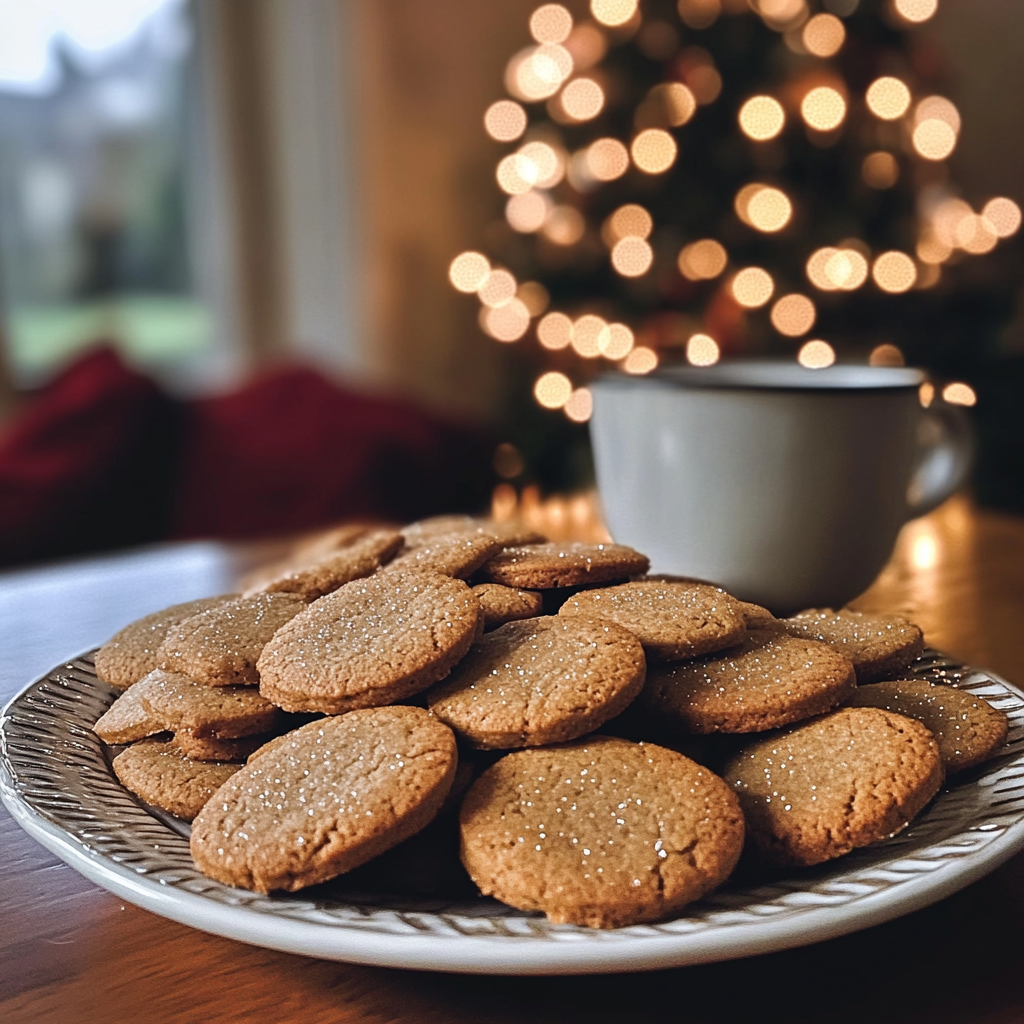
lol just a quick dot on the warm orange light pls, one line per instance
(551, 23)
(846, 269)
(959, 394)
(888, 98)
(632, 256)
(769, 210)
(894, 272)
(780, 14)
(505, 120)
(555, 331)
(823, 35)
(527, 212)
(629, 221)
(926, 394)
(469, 271)
(705, 82)
(823, 109)
(582, 99)
(1004, 216)
(580, 405)
(613, 12)
(654, 151)
(931, 250)
(589, 333)
(699, 13)
(880, 170)
(702, 350)
(742, 201)
(945, 218)
(816, 268)
(552, 390)
(516, 174)
(752, 287)
(762, 117)
(617, 342)
(607, 159)
(508, 322)
(793, 315)
(916, 11)
(934, 139)
(667, 105)
(542, 163)
(976, 235)
(587, 45)
(928, 276)
(641, 360)
(498, 288)
(886, 355)
(534, 296)
(565, 225)
(937, 108)
(537, 73)
(703, 260)
(816, 355)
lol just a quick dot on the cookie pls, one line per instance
(168, 702)
(324, 572)
(371, 642)
(880, 646)
(967, 729)
(826, 787)
(339, 792)
(671, 620)
(543, 566)
(220, 646)
(756, 617)
(458, 553)
(601, 832)
(540, 681)
(511, 532)
(213, 748)
(131, 653)
(161, 775)
(769, 680)
(507, 604)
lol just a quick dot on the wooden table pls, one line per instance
(70, 952)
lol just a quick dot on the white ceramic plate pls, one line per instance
(56, 780)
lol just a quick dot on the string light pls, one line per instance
(780, 14)
(552, 389)
(582, 99)
(587, 45)
(629, 221)
(702, 350)
(534, 296)
(565, 225)
(516, 174)
(880, 170)
(498, 288)
(816, 355)
(959, 394)
(505, 120)
(551, 23)
(945, 218)
(888, 98)
(527, 212)
(793, 315)
(613, 12)
(752, 287)
(703, 260)
(580, 405)
(469, 271)
(654, 151)
(926, 394)
(677, 100)
(823, 109)
(542, 163)
(507, 322)
(916, 11)
(762, 118)
(937, 108)
(641, 360)
(769, 210)
(894, 272)
(975, 235)
(607, 159)
(934, 139)
(823, 35)
(1004, 216)
(846, 270)
(586, 335)
(632, 256)
(617, 342)
(931, 250)
(886, 355)
(555, 331)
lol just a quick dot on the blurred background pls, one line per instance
(231, 302)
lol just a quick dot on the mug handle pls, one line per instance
(945, 435)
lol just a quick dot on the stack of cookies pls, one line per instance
(477, 679)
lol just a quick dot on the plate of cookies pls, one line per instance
(458, 746)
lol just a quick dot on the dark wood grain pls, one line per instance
(70, 952)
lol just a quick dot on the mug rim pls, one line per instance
(770, 375)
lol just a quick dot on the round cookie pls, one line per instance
(756, 616)
(511, 532)
(220, 646)
(880, 646)
(601, 832)
(132, 653)
(333, 795)
(545, 566)
(967, 729)
(212, 748)
(458, 554)
(371, 642)
(826, 787)
(538, 681)
(507, 604)
(169, 702)
(162, 775)
(671, 620)
(769, 680)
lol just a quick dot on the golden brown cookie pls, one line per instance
(540, 681)
(601, 832)
(756, 616)
(131, 653)
(825, 787)
(212, 748)
(324, 572)
(220, 646)
(167, 702)
(967, 729)
(880, 646)
(458, 553)
(511, 532)
(769, 680)
(371, 642)
(671, 620)
(337, 793)
(544, 566)
(161, 775)
(507, 604)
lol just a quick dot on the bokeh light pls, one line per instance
(565, 225)
(915, 11)
(880, 170)
(534, 296)
(934, 139)
(752, 287)
(793, 315)
(705, 83)
(823, 35)
(587, 45)
(937, 108)
(516, 174)
(582, 99)
(926, 394)
(668, 105)
(702, 350)
(932, 250)
(816, 355)
(654, 151)
(846, 269)
(507, 322)
(613, 12)
(959, 393)
(699, 13)
(762, 118)
(555, 331)
(547, 168)
(886, 355)
(527, 212)
(823, 108)
(641, 360)
(498, 288)
(741, 203)
(976, 235)
(888, 98)
(702, 260)
(607, 159)
(769, 210)
(628, 221)
(587, 335)
(505, 120)
(580, 405)
(816, 268)
(617, 342)
(468, 271)
(780, 14)
(945, 218)
(551, 23)
(1004, 216)
(538, 72)
(552, 390)
(632, 256)
(894, 272)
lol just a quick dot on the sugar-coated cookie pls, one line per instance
(458, 553)
(229, 750)
(601, 832)
(544, 566)
(507, 604)
(326, 798)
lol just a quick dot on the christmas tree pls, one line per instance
(708, 178)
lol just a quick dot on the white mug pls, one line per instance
(786, 486)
